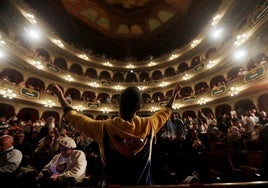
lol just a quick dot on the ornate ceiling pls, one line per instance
(126, 18)
(121, 29)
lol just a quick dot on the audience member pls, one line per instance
(211, 120)
(224, 122)
(264, 139)
(83, 141)
(193, 142)
(175, 128)
(236, 141)
(65, 169)
(10, 160)
(4, 131)
(263, 60)
(248, 124)
(3, 123)
(21, 144)
(69, 99)
(45, 151)
(63, 133)
(49, 125)
(122, 138)
(263, 118)
(241, 72)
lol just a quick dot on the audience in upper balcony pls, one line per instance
(69, 99)
(255, 63)
(201, 90)
(263, 60)
(241, 72)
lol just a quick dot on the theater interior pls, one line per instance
(216, 49)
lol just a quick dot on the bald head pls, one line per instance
(6, 141)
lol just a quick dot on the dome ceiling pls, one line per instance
(122, 29)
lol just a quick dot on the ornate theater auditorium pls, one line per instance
(217, 50)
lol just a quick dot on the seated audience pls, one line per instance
(236, 143)
(49, 125)
(264, 140)
(4, 131)
(45, 151)
(193, 142)
(83, 141)
(10, 160)
(3, 124)
(21, 144)
(66, 168)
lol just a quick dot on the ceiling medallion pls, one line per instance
(129, 4)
